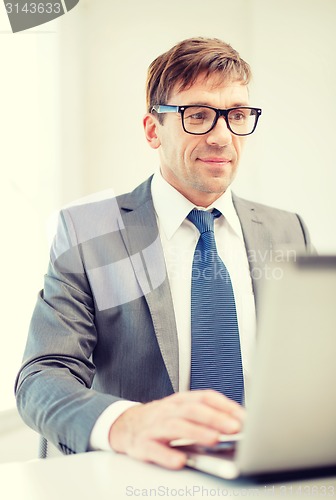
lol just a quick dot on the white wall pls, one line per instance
(29, 186)
(293, 56)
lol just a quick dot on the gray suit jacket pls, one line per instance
(103, 327)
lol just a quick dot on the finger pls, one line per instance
(208, 396)
(207, 408)
(179, 428)
(219, 401)
(160, 454)
(211, 418)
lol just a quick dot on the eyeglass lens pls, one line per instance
(200, 120)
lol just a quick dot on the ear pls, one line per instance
(151, 125)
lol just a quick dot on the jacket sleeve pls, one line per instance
(53, 387)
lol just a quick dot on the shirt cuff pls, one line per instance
(99, 438)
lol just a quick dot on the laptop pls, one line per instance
(291, 416)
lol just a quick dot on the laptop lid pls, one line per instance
(291, 420)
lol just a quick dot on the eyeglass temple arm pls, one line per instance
(161, 108)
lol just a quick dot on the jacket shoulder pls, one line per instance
(277, 220)
(260, 207)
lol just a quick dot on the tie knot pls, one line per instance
(203, 220)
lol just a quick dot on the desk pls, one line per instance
(109, 476)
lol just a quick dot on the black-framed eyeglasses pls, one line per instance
(199, 120)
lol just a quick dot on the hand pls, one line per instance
(145, 431)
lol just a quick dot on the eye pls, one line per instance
(239, 115)
(197, 114)
(192, 114)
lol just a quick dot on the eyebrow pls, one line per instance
(235, 105)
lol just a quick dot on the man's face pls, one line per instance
(201, 167)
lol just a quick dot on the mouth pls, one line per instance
(215, 161)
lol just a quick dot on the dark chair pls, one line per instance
(47, 449)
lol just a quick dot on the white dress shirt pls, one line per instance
(179, 238)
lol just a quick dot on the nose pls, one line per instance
(220, 135)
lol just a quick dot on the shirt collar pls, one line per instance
(172, 208)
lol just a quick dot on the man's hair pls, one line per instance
(180, 67)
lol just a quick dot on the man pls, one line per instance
(118, 322)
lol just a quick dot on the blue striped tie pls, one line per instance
(215, 348)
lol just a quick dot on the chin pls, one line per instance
(217, 186)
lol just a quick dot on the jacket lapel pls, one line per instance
(142, 241)
(257, 239)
